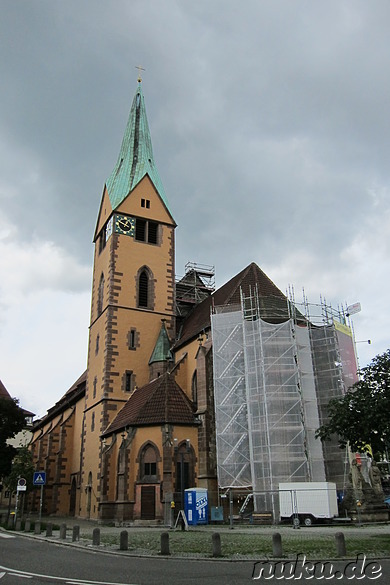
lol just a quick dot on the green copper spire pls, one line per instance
(161, 352)
(135, 158)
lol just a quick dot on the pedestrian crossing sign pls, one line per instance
(39, 478)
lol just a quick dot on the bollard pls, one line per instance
(277, 550)
(216, 539)
(76, 533)
(165, 543)
(18, 524)
(124, 540)
(340, 544)
(49, 529)
(27, 525)
(37, 528)
(63, 531)
(96, 537)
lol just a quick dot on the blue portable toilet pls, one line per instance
(196, 506)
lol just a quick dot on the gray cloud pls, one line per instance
(269, 126)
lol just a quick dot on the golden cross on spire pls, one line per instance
(139, 72)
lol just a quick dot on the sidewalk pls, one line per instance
(252, 542)
(87, 526)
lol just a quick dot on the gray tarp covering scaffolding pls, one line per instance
(272, 382)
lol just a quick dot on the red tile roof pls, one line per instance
(247, 280)
(159, 402)
(4, 392)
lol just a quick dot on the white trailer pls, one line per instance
(306, 502)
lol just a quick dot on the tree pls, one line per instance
(12, 420)
(22, 466)
(362, 416)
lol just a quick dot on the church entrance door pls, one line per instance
(148, 502)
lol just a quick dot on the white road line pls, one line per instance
(81, 583)
(21, 575)
(63, 579)
(5, 535)
(2, 575)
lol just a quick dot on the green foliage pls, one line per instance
(12, 420)
(362, 416)
(22, 467)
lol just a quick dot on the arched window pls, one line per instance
(143, 289)
(148, 464)
(185, 476)
(100, 295)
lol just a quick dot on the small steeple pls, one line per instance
(162, 351)
(135, 158)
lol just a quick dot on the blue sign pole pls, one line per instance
(40, 479)
(40, 503)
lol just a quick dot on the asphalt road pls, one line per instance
(25, 560)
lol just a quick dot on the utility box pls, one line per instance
(307, 501)
(196, 506)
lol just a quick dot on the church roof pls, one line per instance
(247, 280)
(71, 396)
(135, 158)
(159, 402)
(4, 392)
(161, 352)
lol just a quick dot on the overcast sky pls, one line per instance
(270, 127)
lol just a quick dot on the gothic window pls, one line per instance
(148, 464)
(143, 289)
(184, 469)
(100, 295)
(97, 344)
(93, 422)
(94, 386)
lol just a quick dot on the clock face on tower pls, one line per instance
(124, 225)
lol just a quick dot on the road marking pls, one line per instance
(66, 580)
(4, 535)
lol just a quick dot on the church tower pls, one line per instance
(132, 292)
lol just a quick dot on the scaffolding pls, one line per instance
(274, 375)
(197, 284)
(232, 436)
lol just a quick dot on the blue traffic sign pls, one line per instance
(39, 478)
